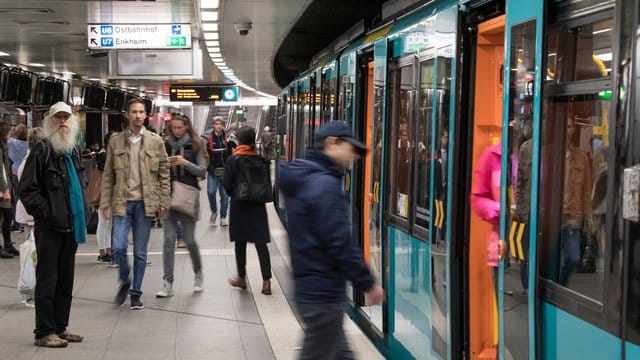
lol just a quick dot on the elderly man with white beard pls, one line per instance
(52, 191)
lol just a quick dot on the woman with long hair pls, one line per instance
(248, 220)
(103, 232)
(5, 189)
(188, 164)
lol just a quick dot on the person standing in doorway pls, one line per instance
(219, 148)
(324, 254)
(135, 186)
(6, 189)
(52, 190)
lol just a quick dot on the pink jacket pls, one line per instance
(485, 196)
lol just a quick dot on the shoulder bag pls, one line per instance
(184, 198)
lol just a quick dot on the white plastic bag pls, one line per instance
(28, 258)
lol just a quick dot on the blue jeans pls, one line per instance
(214, 184)
(140, 226)
(570, 244)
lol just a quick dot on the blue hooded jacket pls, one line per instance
(323, 253)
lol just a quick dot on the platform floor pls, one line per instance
(219, 323)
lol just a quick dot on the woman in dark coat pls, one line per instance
(248, 220)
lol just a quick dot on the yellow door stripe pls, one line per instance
(519, 242)
(512, 246)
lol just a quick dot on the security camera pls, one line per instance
(242, 28)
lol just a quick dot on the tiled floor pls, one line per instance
(219, 323)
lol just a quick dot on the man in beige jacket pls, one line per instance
(135, 185)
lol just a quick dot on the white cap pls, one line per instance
(59, 107)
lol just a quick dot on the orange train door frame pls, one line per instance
(367, 198)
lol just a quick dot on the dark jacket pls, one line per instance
(323, 253)
(44, 188)
(101, 159)
(219, 148)
(247, 221)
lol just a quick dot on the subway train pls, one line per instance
(498, 202)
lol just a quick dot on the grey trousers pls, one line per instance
(168, 251)
(324, 337)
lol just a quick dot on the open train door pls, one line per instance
(521, 139)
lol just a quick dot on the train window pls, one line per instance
(401, 157)
(573, 191)
(581, 52)
(423, 145)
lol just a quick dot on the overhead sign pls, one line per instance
(203, 93)
(139, 36)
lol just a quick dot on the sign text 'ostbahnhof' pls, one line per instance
(138, 36)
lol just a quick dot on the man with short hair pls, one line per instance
(219, 148)
(323, 253)
(135, 186)
(52, 191)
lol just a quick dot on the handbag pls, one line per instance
(254, 183)
(92, 224)
(184, 198)
(94, 187)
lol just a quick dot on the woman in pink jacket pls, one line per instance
(485, 199)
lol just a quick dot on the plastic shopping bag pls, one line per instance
(28, 258)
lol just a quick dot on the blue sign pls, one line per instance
(230, 94)
(106, 30)
(176, 30)
(106, 41)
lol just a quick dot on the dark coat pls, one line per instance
(247, 221)
(44, 188)
(323, 253)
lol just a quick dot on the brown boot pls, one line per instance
(266, 287)
(51, 341)
(238, 282)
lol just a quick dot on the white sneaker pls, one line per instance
(167, 290)
(197, 286)
(213, 218)
(224, 222)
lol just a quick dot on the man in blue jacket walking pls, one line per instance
(323, 253)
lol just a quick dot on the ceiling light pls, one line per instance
(209, 16)
(605, 56)
(2, 53)
(600, 31)
(68, 73)
(95, 79)
(211, 36)
(213, 50)
(223, 67)
(213, 43)
(36, 65)
(209, 26)
(209, 4)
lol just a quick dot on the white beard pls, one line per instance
(61, 139)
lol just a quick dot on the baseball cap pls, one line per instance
(341, 129)
(59, 107)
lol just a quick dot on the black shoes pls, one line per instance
(4, 254)
(136, 304)
(121, 296)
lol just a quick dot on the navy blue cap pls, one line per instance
(341, 129)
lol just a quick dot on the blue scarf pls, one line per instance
(77, 201)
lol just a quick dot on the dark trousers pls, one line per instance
(5, 213)
(263, 256)
(324, 337)
(54, 280)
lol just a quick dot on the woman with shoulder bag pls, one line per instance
(247, 180)
(188, 163)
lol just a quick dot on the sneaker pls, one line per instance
(197, 284)
(181, 244)
(11, 250)
(108, 258)
(167, 290)
(224, 222)
(149, 263)
(121, 296)
(5, 254)
(213, 218)
(103, 260)
(65, 335)
(136, 304)
(114, 265)
(51, 341)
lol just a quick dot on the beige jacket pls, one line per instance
(154, 173)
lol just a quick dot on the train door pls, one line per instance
(475, 199)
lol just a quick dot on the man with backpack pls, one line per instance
(219, 148)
